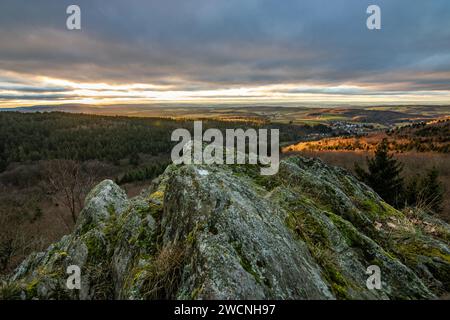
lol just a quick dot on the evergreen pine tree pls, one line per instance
(384, 175)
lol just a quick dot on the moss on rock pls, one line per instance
(309, 232)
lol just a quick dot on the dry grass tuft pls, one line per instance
(164, 274)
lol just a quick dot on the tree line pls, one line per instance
(81, 137)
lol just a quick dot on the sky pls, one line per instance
(224, 51)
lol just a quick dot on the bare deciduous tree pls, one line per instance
(69, 181)
(14, 242)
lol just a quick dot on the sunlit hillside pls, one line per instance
(433, 136)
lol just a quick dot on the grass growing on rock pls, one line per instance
(245, 263)
(10, 290)
(312, 230)
(161, 277)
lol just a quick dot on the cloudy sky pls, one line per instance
(211, 51)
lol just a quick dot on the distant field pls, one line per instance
(414, 163)
(386, 116)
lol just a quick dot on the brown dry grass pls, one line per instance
(163, 275)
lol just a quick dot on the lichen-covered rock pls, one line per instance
(238, 247)
(226, 232)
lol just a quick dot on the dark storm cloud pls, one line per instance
(226, 43)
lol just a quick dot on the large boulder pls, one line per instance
(226, 232)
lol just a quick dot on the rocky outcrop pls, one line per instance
(226, 232)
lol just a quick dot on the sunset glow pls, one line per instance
(233, 52)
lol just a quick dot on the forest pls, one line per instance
(50, 160)
(43, 136)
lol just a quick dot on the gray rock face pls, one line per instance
(240, 248)
(225, 232)
(105, 199)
